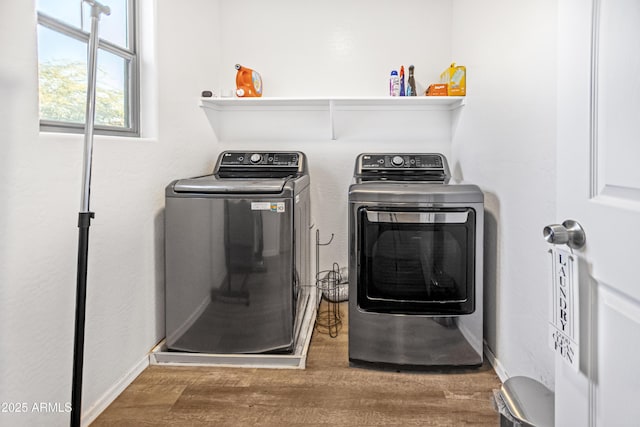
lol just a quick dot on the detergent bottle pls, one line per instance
(456, 78)
(248, 82)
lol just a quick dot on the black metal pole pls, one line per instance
(84, 221)
(85, 215)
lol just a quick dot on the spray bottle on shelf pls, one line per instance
(402, 80)
(411, 90)
(394, 84)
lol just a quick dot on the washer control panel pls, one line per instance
(260, 159)
(260, 164)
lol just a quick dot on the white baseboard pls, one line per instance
(98, 407)
(497, 366)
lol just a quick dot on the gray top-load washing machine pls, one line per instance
(237, 255)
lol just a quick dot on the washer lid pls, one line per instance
(211, 185)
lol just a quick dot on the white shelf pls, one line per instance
(388, 102)
(320, 111)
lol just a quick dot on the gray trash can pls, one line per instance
(525, 402)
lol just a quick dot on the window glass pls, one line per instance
(62, 63)
(110, 90)
(67, 11)
(113, 28)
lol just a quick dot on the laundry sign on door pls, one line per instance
(564, 321)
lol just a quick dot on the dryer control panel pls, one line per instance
(402, 166)
(406, 161)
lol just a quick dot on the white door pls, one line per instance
(599, 186)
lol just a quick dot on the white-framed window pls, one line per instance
(63, 36)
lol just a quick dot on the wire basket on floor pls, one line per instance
(333, 284)
(328, 282)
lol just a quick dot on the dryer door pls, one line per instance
(416, 261)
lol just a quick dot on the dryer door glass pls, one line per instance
(417, 261)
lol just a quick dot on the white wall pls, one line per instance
(333, 47)
(505, 143)
(41, 176)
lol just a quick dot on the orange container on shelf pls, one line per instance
(248, 82)
(437, 89)
(456, 79)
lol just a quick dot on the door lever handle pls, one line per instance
(568, 233)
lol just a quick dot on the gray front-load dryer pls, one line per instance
(415, 264)
(237, 255)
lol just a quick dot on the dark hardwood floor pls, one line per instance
(327, 392)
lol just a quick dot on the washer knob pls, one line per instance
(397, 161)
(255, 158)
